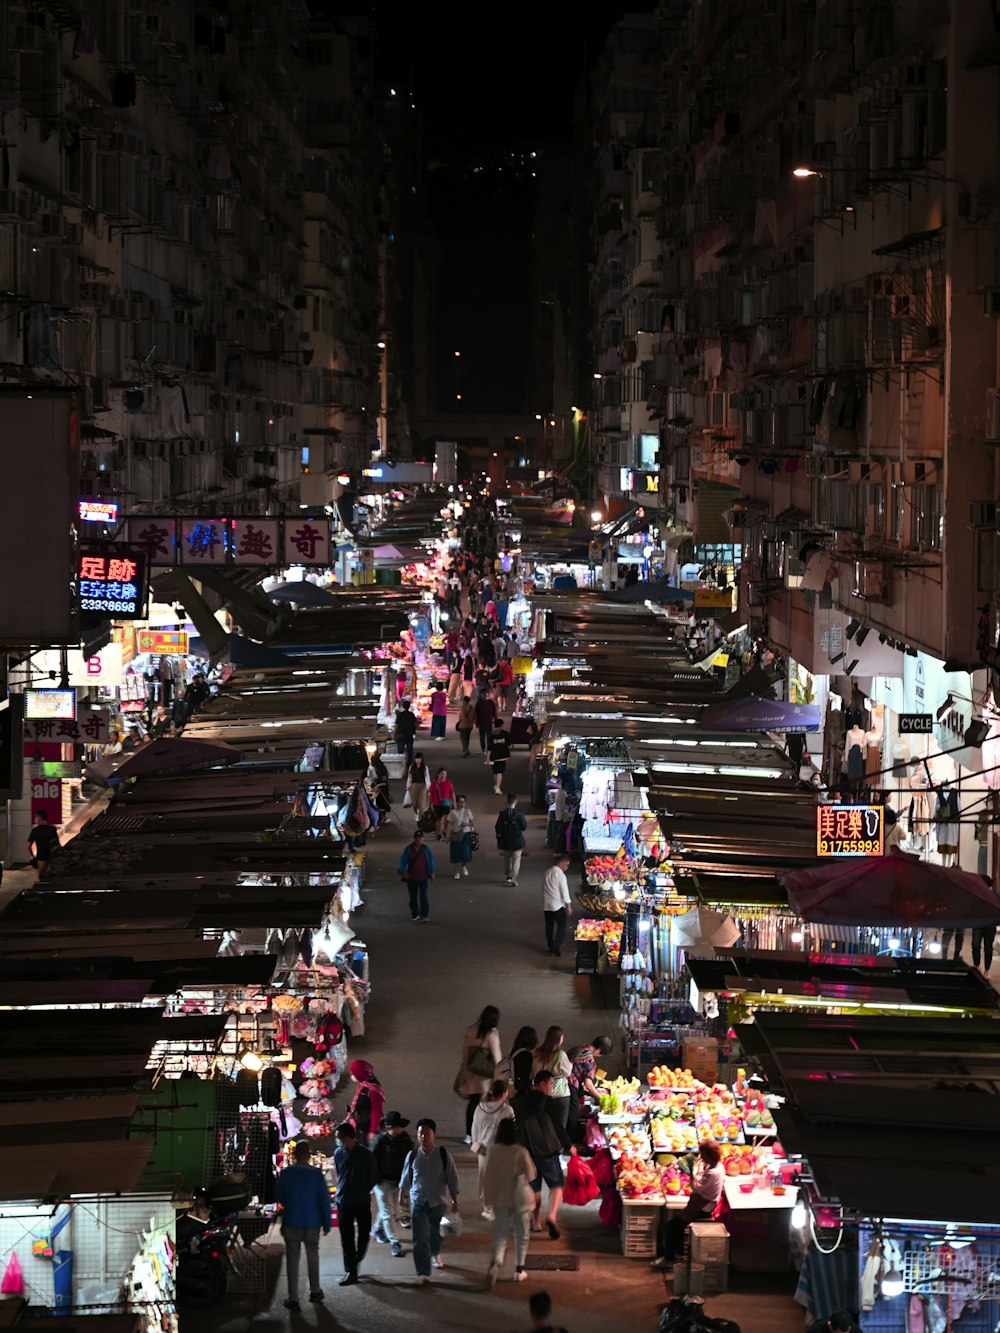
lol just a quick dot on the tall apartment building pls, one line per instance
(824, 370)
(151, 234)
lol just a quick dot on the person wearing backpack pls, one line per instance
(481, 1052)
(516, 1067)
(544, 1138)
(416, 867)
(510, 828)
(430, 1177)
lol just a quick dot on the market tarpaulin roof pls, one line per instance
(302, 592)
(894, 890)
(756, 714)
(657, 591)
(168, 755)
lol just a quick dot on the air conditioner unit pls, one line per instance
(983, 514)
(873, 583)
(993, 414)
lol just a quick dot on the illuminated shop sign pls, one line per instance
(112, 581)
(850, 830)
(50, 705)
(99, 511)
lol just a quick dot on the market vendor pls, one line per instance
(706, 1192)
(584, 1059)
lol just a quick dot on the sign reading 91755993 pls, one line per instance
(850, 830)
(111, 581)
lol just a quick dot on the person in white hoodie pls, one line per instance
(493, 1108)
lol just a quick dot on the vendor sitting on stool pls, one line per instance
(705, 1195)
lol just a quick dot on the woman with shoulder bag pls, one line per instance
(466, 724)
(507, 1190)
(461, 836)
(416, 785)
(551, 1056)
(480, 1056)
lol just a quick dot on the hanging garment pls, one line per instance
(946, 816)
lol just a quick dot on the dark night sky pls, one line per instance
(487, 81)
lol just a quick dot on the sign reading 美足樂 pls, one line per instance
(850, 830)
(111, 581)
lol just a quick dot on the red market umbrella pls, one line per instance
(894, 890)
(756, 714)
(168, 755)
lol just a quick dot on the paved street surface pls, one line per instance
(484, 945)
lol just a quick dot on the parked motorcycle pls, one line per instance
(204, 1248)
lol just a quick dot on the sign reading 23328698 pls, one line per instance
(850, 830)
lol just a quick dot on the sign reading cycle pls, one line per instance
(916, 724)
(112, 581)
(850, 830)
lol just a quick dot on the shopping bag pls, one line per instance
(610, 1211)
(407, 799)
(13, 1278)
(593, 1135)
(603, 1168)
(581, 1186)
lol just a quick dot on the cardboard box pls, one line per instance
(701, 1056)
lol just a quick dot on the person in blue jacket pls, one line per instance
(416, 868)
(304, 1197)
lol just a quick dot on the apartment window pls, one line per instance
(109, 347)
(835, 503)
(927, 529)
(876, 502)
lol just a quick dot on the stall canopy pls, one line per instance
(894, 890)
(302, 593)
(169, 755)
(756, 714)
(896, 1118)
(658, 591)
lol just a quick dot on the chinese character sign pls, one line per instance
(92, 727)
(255, 541)
(307, 542)
(850, 830)
(111, 581)
(157, 537)
(205, 541)
(163, 642)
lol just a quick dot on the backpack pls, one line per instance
(540, 1135)
(502, 829)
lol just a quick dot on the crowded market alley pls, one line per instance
(485, 945)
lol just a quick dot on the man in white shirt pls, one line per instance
(556, 904)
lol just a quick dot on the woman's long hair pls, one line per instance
(552, 1043)
(526, 1040)
(488, 1020)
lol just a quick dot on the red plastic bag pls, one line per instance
(603, 1168)
(581, 1186)
(13, 1278)
(611, 1209)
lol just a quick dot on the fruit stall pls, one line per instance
(653, 1130)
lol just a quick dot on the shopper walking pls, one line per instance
(442, 800)
(416, 868)
(430, 1177)
(486, 716)
(499, 753)
(516, 1067)
(304, 1199)
(544, 1137)
(406, 729)
(492, 1110)
(506, 1185)
(390, 1151)
(439, 711)
(365, 1113)
(43, 843)
(550, 1056)
(510, 829)
(556, 904)
(416, 785)
(461, 827)
(481, 1052)
(356, 1176)
(466, 722)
